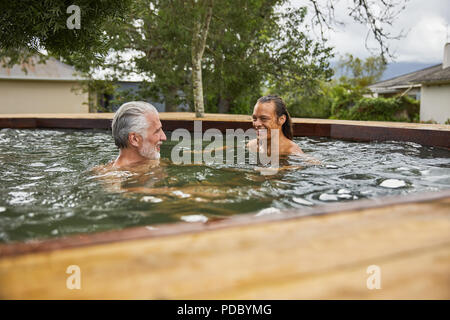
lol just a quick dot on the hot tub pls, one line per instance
(370, 172)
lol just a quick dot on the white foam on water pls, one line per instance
(393, 183)
(344, 191)
(268, 211)
(181, 194)
(302, 201)
(328, 197)
(38, 164)
(151, 199)
(267, 171)
(36, 178)
(21, 197)
(194, 218)
(59, 169)
(2, 209)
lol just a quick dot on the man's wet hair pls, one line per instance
(130, 117)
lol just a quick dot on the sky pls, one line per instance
(423, 21)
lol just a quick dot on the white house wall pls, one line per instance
(25, 96)
(435, 103)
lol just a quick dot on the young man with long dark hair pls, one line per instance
(269, 114)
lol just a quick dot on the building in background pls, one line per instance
(430, 85)
(404, 84)
(105, 102)
(50, 87)
(435, 92)
(108, 102)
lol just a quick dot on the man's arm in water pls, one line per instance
(294, 151)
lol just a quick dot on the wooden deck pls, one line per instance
(316, 257)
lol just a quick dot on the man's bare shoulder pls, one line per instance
(102, 168)
(294, 149)
(135, 167)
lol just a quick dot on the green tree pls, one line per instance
(249, 44)
(257, 45)
(172, 41)
(202, 18)
(29, 26)
(355, 75)
(358, 72)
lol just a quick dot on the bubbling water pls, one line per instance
(49, 190)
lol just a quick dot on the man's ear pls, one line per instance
(134, 139)
(282, 119)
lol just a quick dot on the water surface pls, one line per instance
(48, 190)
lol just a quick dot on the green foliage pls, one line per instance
(301, 72)
(250, 43)
(429, 122)
(320, 98)
(381, 109)
(349, 100)
(313, 103)
(343, 98)
(349, 94)
(358, 73)
(27, 26)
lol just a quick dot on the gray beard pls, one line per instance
(149, 151)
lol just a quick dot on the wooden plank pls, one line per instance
(426, 137)
(143, 232)
(425, 134)
(402, 277)
(230, 118)
(311, 257)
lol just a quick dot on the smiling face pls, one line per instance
(150, 143)
(265, 119)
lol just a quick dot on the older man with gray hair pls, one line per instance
(137, 132)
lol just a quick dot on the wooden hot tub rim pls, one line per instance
(179, 228)
(425, 134)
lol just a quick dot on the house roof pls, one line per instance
(52, 69)
(431, 75)
(439, 76)
(406, 80)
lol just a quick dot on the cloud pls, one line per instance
(425, 42)
(424, 23)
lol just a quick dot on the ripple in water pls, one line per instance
(49, 190)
